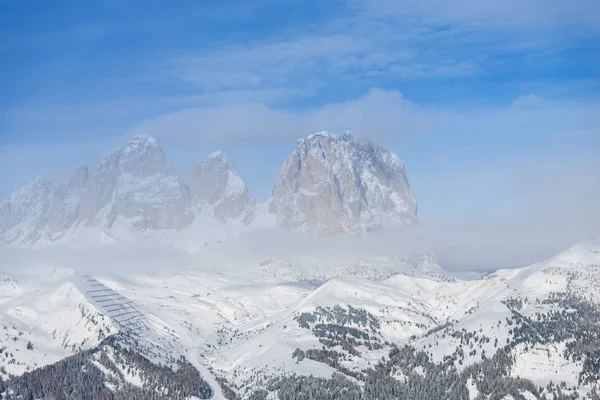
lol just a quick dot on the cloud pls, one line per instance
(268, 62)
(366, 49)
(358, 45)
(266, 96)
(527, 100)
(499, 186)
(550, 211)
(343, 48)
(378, 113)
(508, 14)
(566, 201)
(393, 39)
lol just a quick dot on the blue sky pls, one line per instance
(483, 101)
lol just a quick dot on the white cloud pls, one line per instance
(369, 49)
(240, 91)
(381, 114)
(549, 210)
(268, 62)
(505, 14)
(498, 186)
(485, 202)
(395, 39)
(527, 100)
(378, 113)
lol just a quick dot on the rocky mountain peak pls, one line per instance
(137, 183)
(217, 155)
(141, 148)
(214, 184)
(79, 178)
(329, 184)
(327, 136)
(141, 155)
(34, 194)
(23, 215)
(335, 183)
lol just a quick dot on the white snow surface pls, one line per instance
(232, 322)
(49, 312)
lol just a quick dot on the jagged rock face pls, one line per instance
(42, 210)
(215, 185)
(65, 211)
(134, 186)
(24, 215)
(330, 184)
(334, 184)
(138, 184)
(135, 183)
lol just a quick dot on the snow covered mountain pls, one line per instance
(334, 184)
(137, 184)
(529, 333)
(215, 184)
(330, 184)
(24, 216)
(131, 188)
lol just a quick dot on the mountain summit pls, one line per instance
(136, 183)
(215, 185)
(335, 183)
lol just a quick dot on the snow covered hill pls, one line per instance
(527, 333)
(45, 321)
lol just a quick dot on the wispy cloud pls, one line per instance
(401, 39)
(361, 44)
(381, 111)
(381, 114)
(507, 14)
(314, 58)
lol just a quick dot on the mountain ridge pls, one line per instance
(528, 332)
(135, 188)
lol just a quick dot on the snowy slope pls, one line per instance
(44, 323)
(245, 331)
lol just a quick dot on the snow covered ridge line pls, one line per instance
(123, 311)
(329, 184)
(531, 333)
(108, 371)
